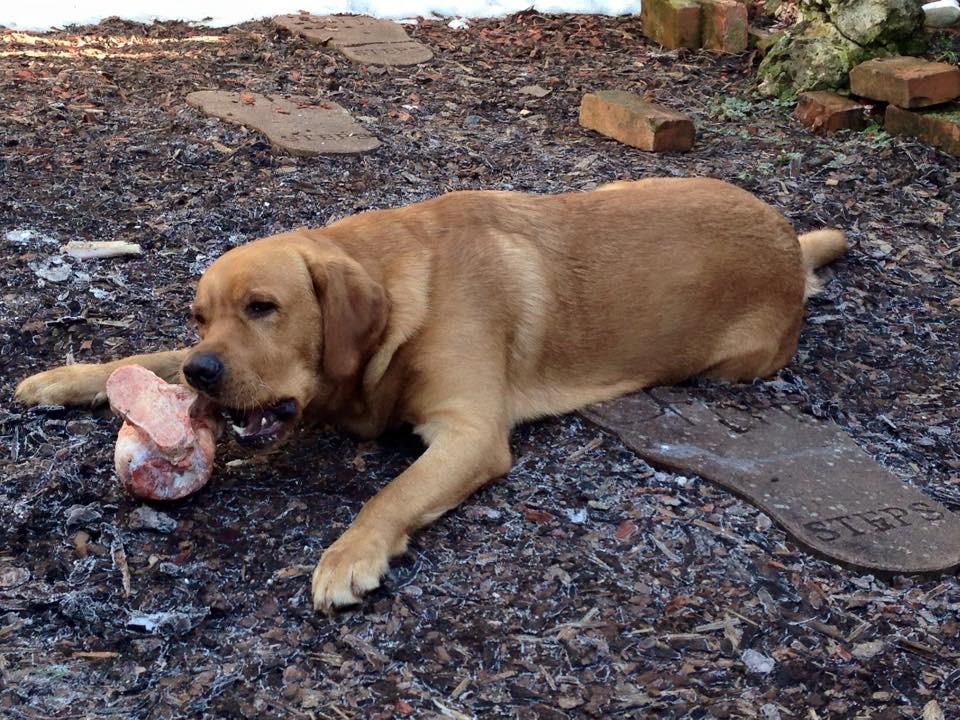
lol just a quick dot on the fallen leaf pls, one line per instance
(248, 98)
(537, 515)
(625, 530)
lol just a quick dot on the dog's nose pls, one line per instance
(204, 371)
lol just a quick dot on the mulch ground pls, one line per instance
(585, 583)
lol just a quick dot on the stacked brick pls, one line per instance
(921, 97)
(718, 25)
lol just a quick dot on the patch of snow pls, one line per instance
(48, 14)
(577, 517)
(757, 662)
(28, 237)
(53, 269)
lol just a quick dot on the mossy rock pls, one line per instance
(876, 23)
(834, 35)
(812, 55)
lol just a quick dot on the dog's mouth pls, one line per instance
(265, 425)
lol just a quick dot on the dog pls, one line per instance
(468, 313)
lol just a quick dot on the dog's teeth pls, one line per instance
(238, 429)
(263, 421)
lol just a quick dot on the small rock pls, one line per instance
(166, 623)
(293, 674)
(412, 590)
(80, 428)
(534, 90)
(867, 650)
(757, 662)
(83, 515)
(11, 577)
(942, 13)
(769, 711)
(146, 518)
(932, 711)
(170, 568)
(472, 120)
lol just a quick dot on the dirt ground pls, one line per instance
(583, 584)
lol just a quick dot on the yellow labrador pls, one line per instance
(466, 314)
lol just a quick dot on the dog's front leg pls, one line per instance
(86, 383)
(462, 454)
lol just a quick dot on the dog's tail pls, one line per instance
(819, 248)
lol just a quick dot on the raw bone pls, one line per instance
(166, 445)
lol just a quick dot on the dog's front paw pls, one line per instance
(67, 385)
(350, 568)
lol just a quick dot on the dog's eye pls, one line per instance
(260, 308)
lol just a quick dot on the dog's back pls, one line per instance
(599, 293)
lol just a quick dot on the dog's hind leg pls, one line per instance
(756, 347)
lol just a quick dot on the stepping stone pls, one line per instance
(296, 125)
(940, 127)
(364, 40)
(827, 112)
(634, 121)
(906, 81)
(806, 474)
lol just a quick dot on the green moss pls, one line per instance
(812, 56)
(951, 114)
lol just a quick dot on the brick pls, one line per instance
(672, 23)
(826, 112)
(940, 127)
(724, 25)
(906, 81)
(631, 120)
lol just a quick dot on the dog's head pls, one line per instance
(283, 322)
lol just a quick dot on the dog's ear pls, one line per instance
(354, 309)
